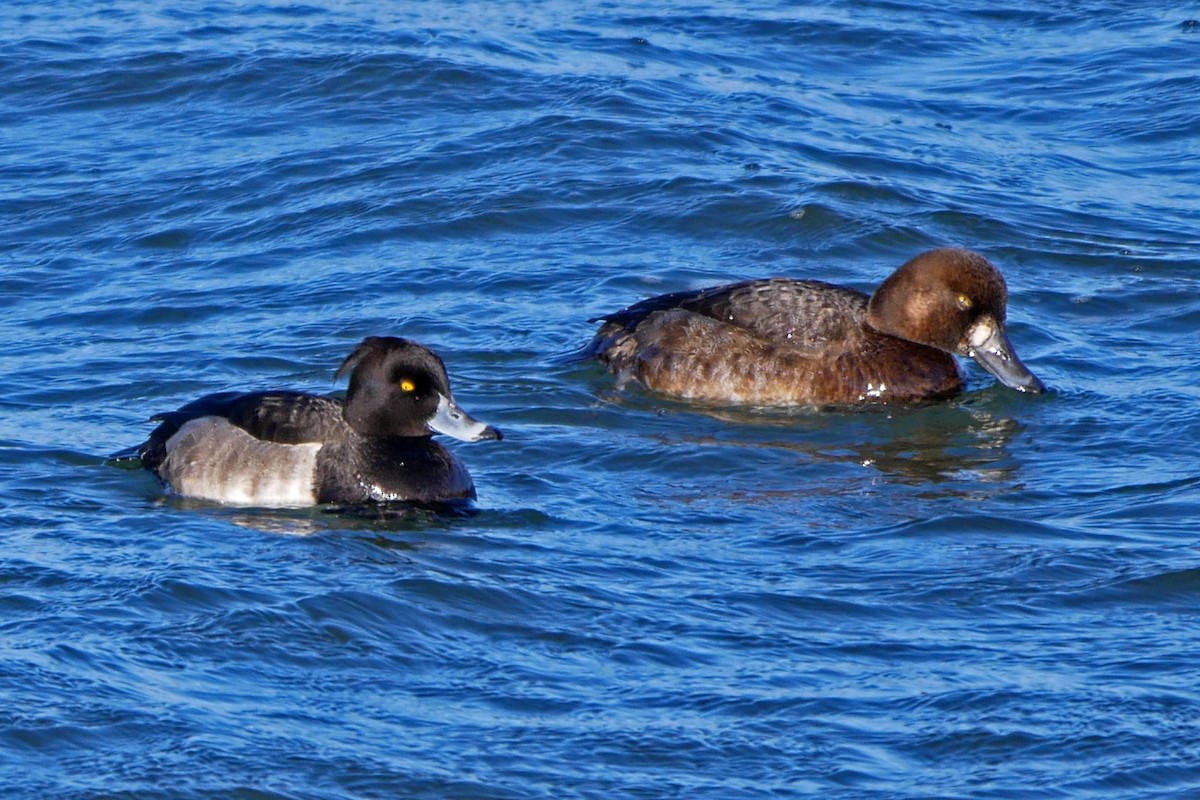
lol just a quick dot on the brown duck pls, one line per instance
(777, 341)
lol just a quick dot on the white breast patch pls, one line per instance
(212, 459)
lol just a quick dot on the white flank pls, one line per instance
(213, 459)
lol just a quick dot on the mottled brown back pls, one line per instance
(769, 342)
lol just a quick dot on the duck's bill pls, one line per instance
(453, 421)
(992, 350)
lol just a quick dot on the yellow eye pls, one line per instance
(964, 302)
(407, 385)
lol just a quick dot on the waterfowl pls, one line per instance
(287, 448)
(779, 342)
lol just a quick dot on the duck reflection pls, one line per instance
(376, 518)
(965, 445)
(948, 444)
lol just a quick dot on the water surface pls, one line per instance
(991, 597)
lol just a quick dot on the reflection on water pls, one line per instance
(389, 518)
(945, 444)
(966, 445)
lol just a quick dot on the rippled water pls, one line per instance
(997, 596)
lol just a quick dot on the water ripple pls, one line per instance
(991, 596)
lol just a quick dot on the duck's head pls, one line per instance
(400, 388)
(954, 300)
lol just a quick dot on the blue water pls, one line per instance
(994, 597)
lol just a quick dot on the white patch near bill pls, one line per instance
(982, 332)
(212, 459)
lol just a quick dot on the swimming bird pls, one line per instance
(287, 448)
(780, 342)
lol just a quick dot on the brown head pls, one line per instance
(956, 301)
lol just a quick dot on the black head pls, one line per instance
(956, 301)
(400, 388)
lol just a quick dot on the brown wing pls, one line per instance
(810, 315)
(693, 356)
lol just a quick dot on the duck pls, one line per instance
(292, 449)
(784, 342)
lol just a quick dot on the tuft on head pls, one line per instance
(384, 353)
(370, 346)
